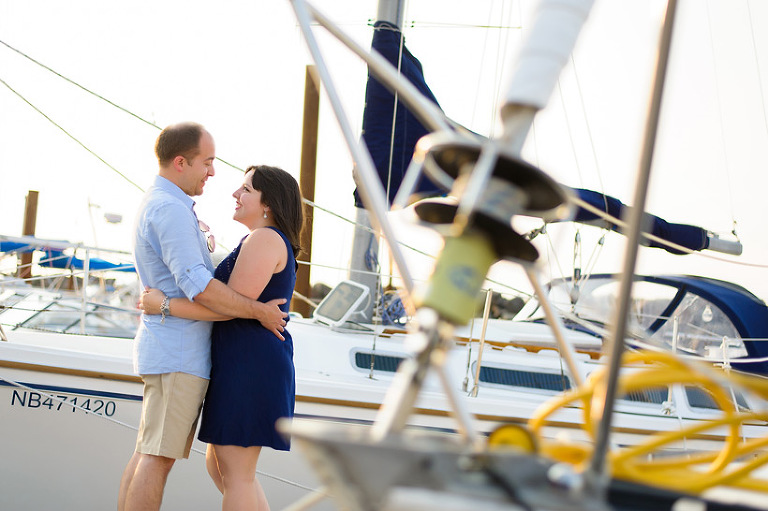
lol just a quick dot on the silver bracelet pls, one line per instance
(165, 308)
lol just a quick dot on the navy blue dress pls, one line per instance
(252, 374)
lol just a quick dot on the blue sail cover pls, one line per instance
(57, 258)
(15, 246)
(379, 110)
(688, 236)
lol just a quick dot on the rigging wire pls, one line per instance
(67, 133)
(501, 61)
(720, 118)
(757, 65)
(480, 74)
(122, 109)
(77, 84)
(569, 129)
(552, 252)
(594, 256)
(588, 126)
(429, 24)
(576, 270)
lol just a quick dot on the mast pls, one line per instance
(597, 467)
(391, 11)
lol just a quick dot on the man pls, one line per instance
(172, 355)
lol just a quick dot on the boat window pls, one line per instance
(8, 299)
(702, 329)
(54, 317)
(96, 325)
(700, 398)
(386, 363)
(525, 379)
(655, 395)
(595, 300)
(62, 318)
(20, 308)
(673, 320)
(598, 297)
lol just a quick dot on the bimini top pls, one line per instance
(57, 258)
(717, 320)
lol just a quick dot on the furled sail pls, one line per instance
(687, 236)
(381, 136)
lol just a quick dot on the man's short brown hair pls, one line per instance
(181, 139)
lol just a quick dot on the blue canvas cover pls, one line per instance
(686, 301)
(747, 312)
(688, 236)
(15, 246)
(57, 258)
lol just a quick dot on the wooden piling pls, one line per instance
(24, 270)
(307, 184)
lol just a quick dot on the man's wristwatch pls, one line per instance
(165, 308)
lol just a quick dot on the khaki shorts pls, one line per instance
(169, 414)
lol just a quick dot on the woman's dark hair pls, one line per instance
(179, 139)
(280, 192)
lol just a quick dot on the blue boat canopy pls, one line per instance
(55, 258)
(698, 316)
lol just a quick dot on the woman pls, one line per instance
(252, 375)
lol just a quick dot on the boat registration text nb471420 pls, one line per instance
(54, 403)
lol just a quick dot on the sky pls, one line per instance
(239, 68)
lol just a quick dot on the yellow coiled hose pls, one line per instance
(733, 465)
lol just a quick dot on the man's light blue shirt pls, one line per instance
(171, 255)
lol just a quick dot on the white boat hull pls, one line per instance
(58, 456)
